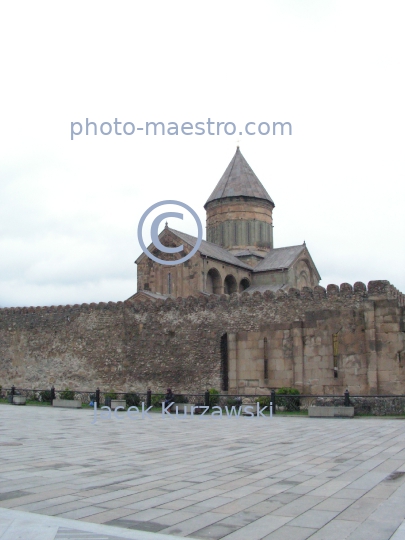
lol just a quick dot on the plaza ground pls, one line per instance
(274, 478)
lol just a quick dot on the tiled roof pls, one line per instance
(153, 295)
(239, 180)
(274, 260)
(264, 288)
(247, 252)
(279, 258)
(211, 250)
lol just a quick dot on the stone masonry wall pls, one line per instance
(132, 346)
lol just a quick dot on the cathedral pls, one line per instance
(239, 253)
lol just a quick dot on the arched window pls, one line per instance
(303, 280)
(214, 285)
(230, 285)
(244, 284)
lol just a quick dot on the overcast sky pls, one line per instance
(70, 209)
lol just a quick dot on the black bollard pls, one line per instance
(148, 397)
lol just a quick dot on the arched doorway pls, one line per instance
(213, 285)
(230, 285)
(224, 362)
(244, 284)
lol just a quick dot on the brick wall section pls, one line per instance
(132, 346)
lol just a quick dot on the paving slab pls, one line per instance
(313, 518)
(290, 533)
(15, 524)
(399, 533)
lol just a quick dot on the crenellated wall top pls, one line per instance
(375, 290)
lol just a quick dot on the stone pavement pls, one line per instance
(280, 478)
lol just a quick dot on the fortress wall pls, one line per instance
(131, 346)
(65, 345)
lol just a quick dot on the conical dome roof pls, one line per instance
(239, 180)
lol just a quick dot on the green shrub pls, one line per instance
(214, 397)
(157, 399)
(231, 401)
(289, 403)
(132, 399)
(263, 401)
(67, 394)
(45, 396)
(110, 395)
(179, 398)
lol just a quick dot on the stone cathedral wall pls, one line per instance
(132, 346)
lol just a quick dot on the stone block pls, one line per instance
(311, 350)
(280, 364)
(256, 354)
(330, 412)
(243, 355)
(276, 354)
(19, 400)
(248, 412)
(393, 348)
(118, 403)
(347, 412)
(388, 327)
(231, 345)
(320, 412)
(180, 408)
(68, 403)
(386, 376)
